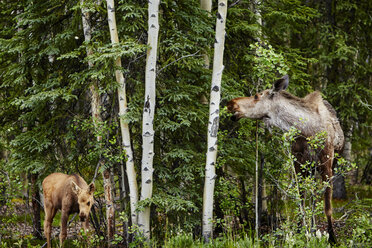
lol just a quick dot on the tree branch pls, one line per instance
(190, 55)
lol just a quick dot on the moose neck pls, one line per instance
(288, 111)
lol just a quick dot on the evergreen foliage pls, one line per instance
(45, 122)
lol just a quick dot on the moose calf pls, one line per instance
(310, 115)
(70, 194)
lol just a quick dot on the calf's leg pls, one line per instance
(86, 224)
(63, 231)
(50, 212)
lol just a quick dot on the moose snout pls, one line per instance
(232, 108)
(82, 217)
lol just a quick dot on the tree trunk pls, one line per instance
(214, 109)
(263, 203)
(123, 189)
(260, 201)
(367, 172)
(36, 224)
(110, 210)
(148, 116)
(123, 108)
(244, 217)
(95, 107)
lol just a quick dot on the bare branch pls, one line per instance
(186, 56)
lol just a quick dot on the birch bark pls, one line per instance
(214, 110)
(123, 108)
(95, 107)
(148, 116)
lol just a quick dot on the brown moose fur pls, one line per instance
(310, 115)
(70, 194)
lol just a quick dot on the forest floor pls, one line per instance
(16, 223)
(16, 219)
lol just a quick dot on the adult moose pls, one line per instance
(310, 115)
(70, 194)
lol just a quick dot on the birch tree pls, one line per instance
(123, 108)
(148, 116)
(214, 110)
(95, 107)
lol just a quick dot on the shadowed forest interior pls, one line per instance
(132, 95)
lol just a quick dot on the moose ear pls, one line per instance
(281, 84)
(91, 188)
(75, 188)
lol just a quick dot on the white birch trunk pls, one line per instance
(95, 107)
(148, 115)
(123, 108)
(214, 110)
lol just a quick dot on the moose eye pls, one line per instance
(256, 97)
(88, 203)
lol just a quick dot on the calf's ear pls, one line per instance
(75, 188)
(281, 84)
(91, 188)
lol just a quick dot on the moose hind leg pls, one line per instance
(328, 212)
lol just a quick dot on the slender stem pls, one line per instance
(256, 189)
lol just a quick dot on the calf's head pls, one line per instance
(85, 199)
(258, 106)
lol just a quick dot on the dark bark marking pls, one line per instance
(216, 88)
(112, 9)
(214, 128)
(147, 103)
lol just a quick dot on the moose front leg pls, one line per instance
(86, 224)
(327, 161)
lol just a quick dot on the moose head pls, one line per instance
(258, 106)
(85, 199)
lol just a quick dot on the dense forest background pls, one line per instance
(46, 120)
